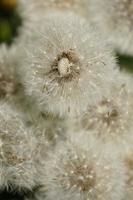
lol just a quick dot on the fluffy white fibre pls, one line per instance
(115, 17)
(77, 6)
(47, 131)
(51, 128)
(29, 15)
(129, 182)
(9, 85)
(67, 65)
(111, 118)
(17, 149)
(126, 156)
(28, 8)
(80, 168)
(32, 11)
(11, 89)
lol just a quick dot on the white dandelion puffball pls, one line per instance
(9, 85)
(129, 182)
(78, 170)
(111, 118)
(11, 89)
(77, 6)
(28, 14)
(47, 131)
(115, 17)
(67, 65)
(126, 156)
(51, 128)
(32, 11)
(17, 144)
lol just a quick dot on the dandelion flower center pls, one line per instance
(78, 175)
(6, 152)
(67, 65)
(64, 66)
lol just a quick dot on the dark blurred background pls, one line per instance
(8, 195)
(9, 21)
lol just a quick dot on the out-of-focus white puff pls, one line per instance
(77, 6)
(115, 18)
(48, 130)
(17, 151)
(10, 87)
(128, 160)
(53, 128)
(67, 64)
(32, 11)
(80, 168)
(111, 118)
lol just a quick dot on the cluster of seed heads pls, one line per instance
(66, 126)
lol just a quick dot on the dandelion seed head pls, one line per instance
(116, 19)
(77, 6)
(66, 70)
(75, 171)
(8, 82)
(128, 160)
(16, 150)
(48, 131)
(111, 119)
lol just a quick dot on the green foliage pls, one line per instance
(9, 24)
(126, 62)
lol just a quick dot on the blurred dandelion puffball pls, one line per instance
(11, 89)
(126, 156)
(129, 181)
(17, 144)
(66, 65)
(48, 132)
(50, 129)
(78, 170)
(115, 17)
(77, 6)
(111, 118)
(32, 10)
(8, 81)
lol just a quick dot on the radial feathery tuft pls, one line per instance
(17, 148)
(77, 170)
(63, 71)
